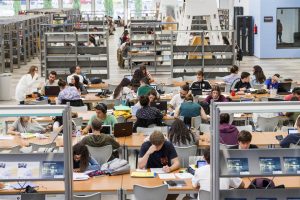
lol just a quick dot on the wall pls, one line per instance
(265, 40)
(244, 4)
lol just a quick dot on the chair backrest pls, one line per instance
(42, 147)
(101, 154)
(189, 78)
(195, 122)
(79, 108)
(43, 102)
(150, 193)
(75, 103)
(203, 194)
(95, 196)
(184, 153)
(205, 128)
(246, 128)
(148, 131)
(267, 124)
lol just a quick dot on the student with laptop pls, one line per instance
(98, 139)
(244, 140)
(52, 81)
(147, 115)
(123, 90)
(202, 177)
(178, 99)
(26, 124)
(292, 138)
(67, 92)
(76, 70)
(200, 84)
(101, 115)
(273, 82)
(244, 83)
(82, 161)
(145, 88)
(189, 109)
(215, 95)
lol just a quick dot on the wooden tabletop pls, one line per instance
(98, 86)
(104, 184)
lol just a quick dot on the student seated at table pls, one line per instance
(273, 82)
(215, 95)
(229, 79)
(158, 153)
(145, 88)
(67, 92)
(98, 139)
(189, 109)
(82, 160)
(181, 136)
(228, 132)
(123, 90)
(25, 124)
(295, 93)
(244, 140)
(292, 138)
(52, 81)
(57, 122)
(79, 86)
(202, 177)
(200, 83)
(147, 115)
(101, 115)
(153, 97)
(258, 76)
(244, 83)
(76, 70)
(178, 99)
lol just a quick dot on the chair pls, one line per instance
(148, 131)
(189, 78)
(205, 128)
(203, 194)
(246, 128)
(42, 147)
(195, 122)
(76, 103)
(101, 154)
(95, 196)
(78, 122)
(184, 153)
(79, 108)
(267, 124)
(150, 193)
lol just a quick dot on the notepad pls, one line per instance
(157, 170)
(166, 176)
(80, 176)
(184, 175)
(6, 137)
(143, 174)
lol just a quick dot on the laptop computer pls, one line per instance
(196, 92)
(284, 88)
(123, 129)
(160, 105)
(153, 86)
(52, 90)
(106, 129)
(292, 131)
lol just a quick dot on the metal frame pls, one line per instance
(65, 112)
(241, 107)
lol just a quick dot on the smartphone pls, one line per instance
(279, 137)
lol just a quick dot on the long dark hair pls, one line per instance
(77, 83)
(137, 76)
(179, 133)
(125, 82)
(259, 74)
(82, 150)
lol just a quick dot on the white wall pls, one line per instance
(244, 4)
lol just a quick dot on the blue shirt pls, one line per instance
(160, 158)
(269, 83)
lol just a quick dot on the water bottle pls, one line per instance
(78, 136)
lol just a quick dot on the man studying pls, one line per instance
(244, 83)
(158, 153)
(244, 140)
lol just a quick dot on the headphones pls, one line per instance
(102, 107)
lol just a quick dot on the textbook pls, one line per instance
(142, 174)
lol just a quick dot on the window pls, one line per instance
(288, 27)
(10, 8)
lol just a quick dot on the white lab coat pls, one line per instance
(25, 86)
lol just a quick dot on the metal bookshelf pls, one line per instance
(66, 49)
(269, 162)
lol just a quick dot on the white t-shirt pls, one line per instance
(202, 179)
(176, 101)
(70, 77)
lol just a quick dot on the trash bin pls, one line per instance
(5, 85)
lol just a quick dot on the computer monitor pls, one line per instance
(160, 105)
(284, 87)
(106, 129)
(153, 86)
(52, 90)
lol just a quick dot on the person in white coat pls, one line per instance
(25, 84)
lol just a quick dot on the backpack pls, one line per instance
(263, 183)
(116, 167)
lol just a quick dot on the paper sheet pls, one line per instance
(80, 176)
(157, 170)
(6, 137)
(167, 176)
(183, 175)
